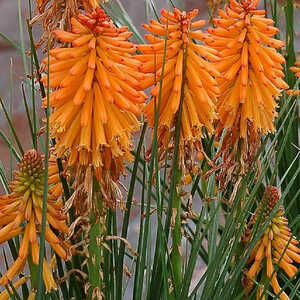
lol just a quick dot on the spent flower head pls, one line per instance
(214, 5)
(57, 14)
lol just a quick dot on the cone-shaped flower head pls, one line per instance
(96, 94)
(252, 76)
(276, 246)
(21, 213)
(187, 73)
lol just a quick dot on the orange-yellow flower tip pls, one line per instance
(48, 277)
(294, 93)
(21, 213)
(15, 268)
(276, 245)
(186, 72)
(97, 93)
(296, 69)
(5, 295)
(32, 295)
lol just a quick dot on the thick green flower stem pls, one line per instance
(33, 273)
(176, 255)
(94, 258)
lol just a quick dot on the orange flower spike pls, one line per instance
(186, 62)
(251, 71)
(100, 74)
(276, 245)
(26, 196)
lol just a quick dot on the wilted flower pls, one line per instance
(96, 94)
(86, 4)
(188, 72)
(214, 5)
(21, 213)
(251, 82)
(56, 14)
(276, 245)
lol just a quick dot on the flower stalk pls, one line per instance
(176, 254)
(94, 257)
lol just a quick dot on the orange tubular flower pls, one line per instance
(96, 94)
(54, 181)
(21, 213)
(295, 69)
(187, 71)
(5, 295)
(275, 246)
(251, 82)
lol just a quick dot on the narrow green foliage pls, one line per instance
(128, 209)
(11, 127)
(33, 136)
(40, 286)
(176, 254)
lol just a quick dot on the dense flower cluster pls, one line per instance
(96, 95)
(187, 73)
(276, 246)
(251, 79)
(21, 213)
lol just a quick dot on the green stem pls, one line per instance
(291, 57)
(120, 258)
(33, 273)
(94, 256)
(40, 286)
(176, 259)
